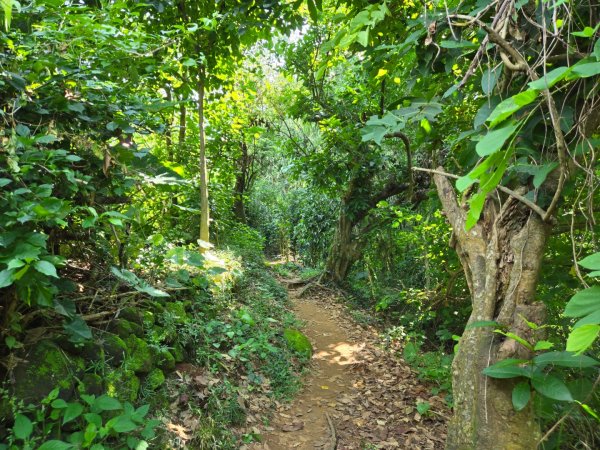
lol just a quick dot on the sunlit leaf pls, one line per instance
(511, 105)
(581, 338)
(584, 302)
(494, 140)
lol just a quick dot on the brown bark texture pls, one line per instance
(345, 250)
(204, 213)
(501, 257)
(348, 241)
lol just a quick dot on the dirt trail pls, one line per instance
(357, 396)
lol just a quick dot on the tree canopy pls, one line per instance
(436, 161)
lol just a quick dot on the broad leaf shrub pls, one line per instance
(93, 422)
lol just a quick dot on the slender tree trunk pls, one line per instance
(240, 185)
(168, 123)
(182, 126)
(204, 213)
(501, 257)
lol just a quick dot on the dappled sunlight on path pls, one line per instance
(341, 353)
(356, 394)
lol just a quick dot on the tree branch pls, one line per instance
(504, 189)
(520, 64)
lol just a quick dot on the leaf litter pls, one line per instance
(357, 394)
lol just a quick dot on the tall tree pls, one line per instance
(536, 83)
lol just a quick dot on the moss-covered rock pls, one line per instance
(122, 384)
(156, 307)
(177, 309)
(149, 318)
(124, 328)
(133, 315)
(45, 367)
(88, 350)
(298, 342)
(178, 352)
(139, 356)
(155, 379)
(114, 348)
(163, 358)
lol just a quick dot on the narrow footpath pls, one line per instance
(357, 395)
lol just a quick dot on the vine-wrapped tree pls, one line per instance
(532, 70)
(534, 144)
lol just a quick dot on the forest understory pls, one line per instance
(352, 224)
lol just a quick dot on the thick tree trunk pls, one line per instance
(501, 257)
(347, 242)
(204, 214)
(344, 250)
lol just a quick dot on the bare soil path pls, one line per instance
(357, 396)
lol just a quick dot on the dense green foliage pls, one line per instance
(310, 118)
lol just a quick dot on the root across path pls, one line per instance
(357, 396)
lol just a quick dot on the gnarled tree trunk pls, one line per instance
(344, 251)
(501, 257)
(348, 240)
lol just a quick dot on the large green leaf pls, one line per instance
(151, 291)
(564, 359)
(590, 319)
(520, 395)
(6, 277)
(78, 330)
(591, 262)
(45, 267)
(476, 204)
(584, 70)
(508, 368)
(7, 9)
(458, 44)
(55, 445)
(541, 173)
(494, 140)
(139, 284)
(584, 302)
(121, 424)
(582, 338)
(550, 79)
(107, 403)
(489, 79)
(511, 105)
(22, 427)
(73, 411)
(551, 387)
(312, 10)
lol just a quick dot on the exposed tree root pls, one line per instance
(333, 445)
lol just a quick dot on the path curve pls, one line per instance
(357, 395)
